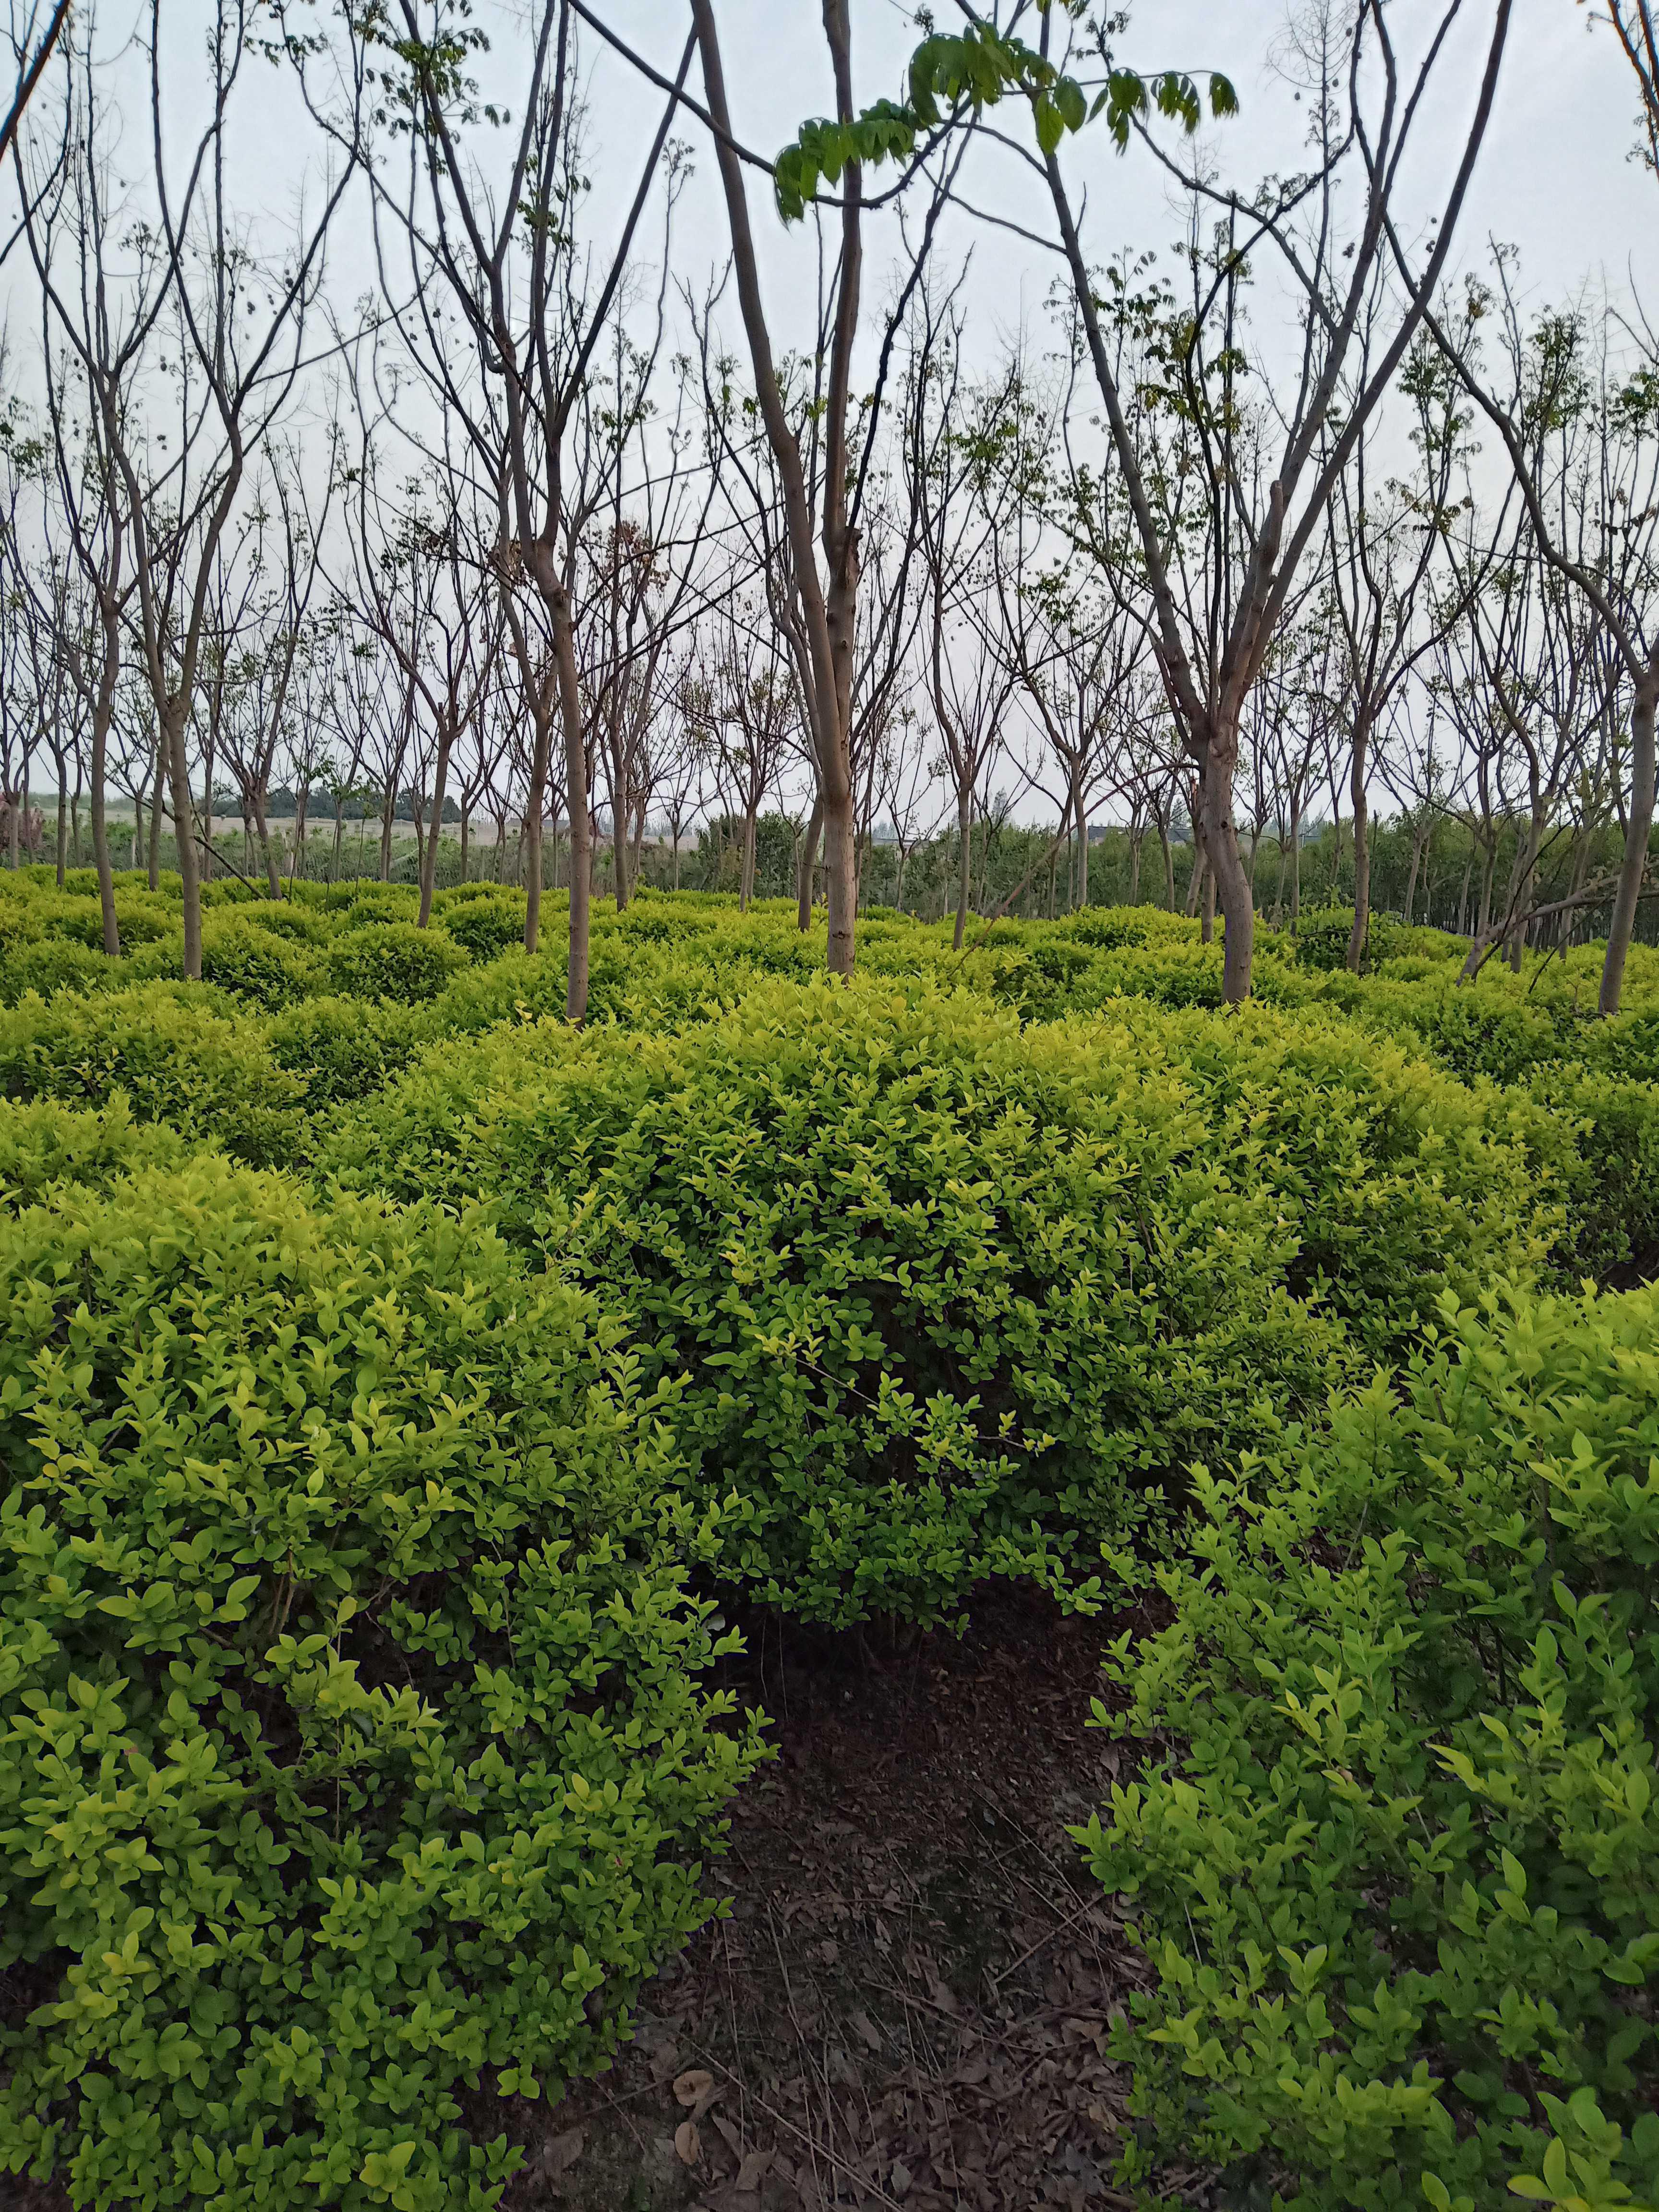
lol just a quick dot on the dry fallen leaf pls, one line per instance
(564, 2150)
(753, 2170)
(972, 2070)
(687, 2144)
(689, 2088)
(863, 2025)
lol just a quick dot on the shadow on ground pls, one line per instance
(906, 2005)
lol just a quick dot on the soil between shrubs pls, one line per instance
(908, 2001)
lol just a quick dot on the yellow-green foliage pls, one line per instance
(353, 1744)
(1397, 1882)
(353, 1741)
(953, 1294)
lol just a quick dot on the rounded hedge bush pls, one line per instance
(353, 1743)
(392, 960)
(952, 1297)
(1397, 1876)
(179, 1053)
(257, 963)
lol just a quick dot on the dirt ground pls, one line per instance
(906, 2005)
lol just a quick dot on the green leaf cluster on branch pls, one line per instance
(955, 77)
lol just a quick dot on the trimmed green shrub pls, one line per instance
(57, 963)
(171, 1051)
(342, 1049)
(45, 1144)
(353, 1743)
(256, 962)
(1609, 1163)
(1400, 1182)
(953, 1296)
(1397, 1881)
(392, 960)
(485, 926)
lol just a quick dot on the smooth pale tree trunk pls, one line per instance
(1621, 928)
(62, 821)
(1083, 856)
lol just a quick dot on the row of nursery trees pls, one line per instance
(561, 541)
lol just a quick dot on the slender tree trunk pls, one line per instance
(153, 856)
(842, 881)
(1083, 855)
(429, 851)
(1417, 863)
(1232, 885)
(1525, 870)
(184, 825)
(809, 857)
(1622, 929)
(965, 864)
(268, 859)
(102, 708)
(746, 872)
(1296, 863)
(575, 785)
(619, 852)
(1362, 846)
(1196, 881)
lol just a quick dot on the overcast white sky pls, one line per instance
(1556, 178)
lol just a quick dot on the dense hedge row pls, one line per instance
(352, 1739)
(1399, 1889)
(393, 1378)
(953, 1296)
